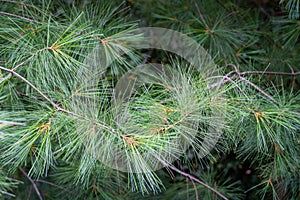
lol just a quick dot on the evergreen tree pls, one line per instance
(61, 122)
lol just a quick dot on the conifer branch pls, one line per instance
(196, 190)
(71, 145)
(187, 188)
(13, 15)
(225, 79)
(236, 74)
(28, 59)
(56, 106)
(269, 73)
(17, 2)
(30, 84)
(52, 184)
(258, 89)
(33, 183)
(201, 16)
(192, 178)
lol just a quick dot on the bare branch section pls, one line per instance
(237, 75)
(52, 184)
(30, 84)
(192, 178)
(270, 73)
(33, 183)
(17, 2)
(28, 59)
(17, 16)
(201, 16)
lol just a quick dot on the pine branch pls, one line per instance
(269, 73)
(187, 188)
(201, 16)
(17, 2)
(196, 190)
(56, 106)
(225, 79)
(30, 84)
(13, 15)
(33, 183)
(236, 74)
(28, 59)
(52, 184)
(192, 178)
(226, 29)
(258, 89)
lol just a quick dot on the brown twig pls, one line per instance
(33, 183)
(196, 190)
(270, 73)
(28, 83)
(17, 16)
(29, 193)
(258, 89)
(28, 59)
(52, 184)
(192, 178)
(187, 188)
(17, 2)
(201, 16)
(224, 80)
(239, 75)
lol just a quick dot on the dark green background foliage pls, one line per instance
(46, 148)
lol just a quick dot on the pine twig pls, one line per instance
(258, 89)
(52, 184)
(56, 106)
(17, 2)
(196, 190)
(225, 79)
(270, 73)
(4, 123)
(13, 15)
(201, 15)
(29, 193)
(239, 75)
(33, 183)
(30, 84)
(192, 178)
(187, 188)
(28, 59)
